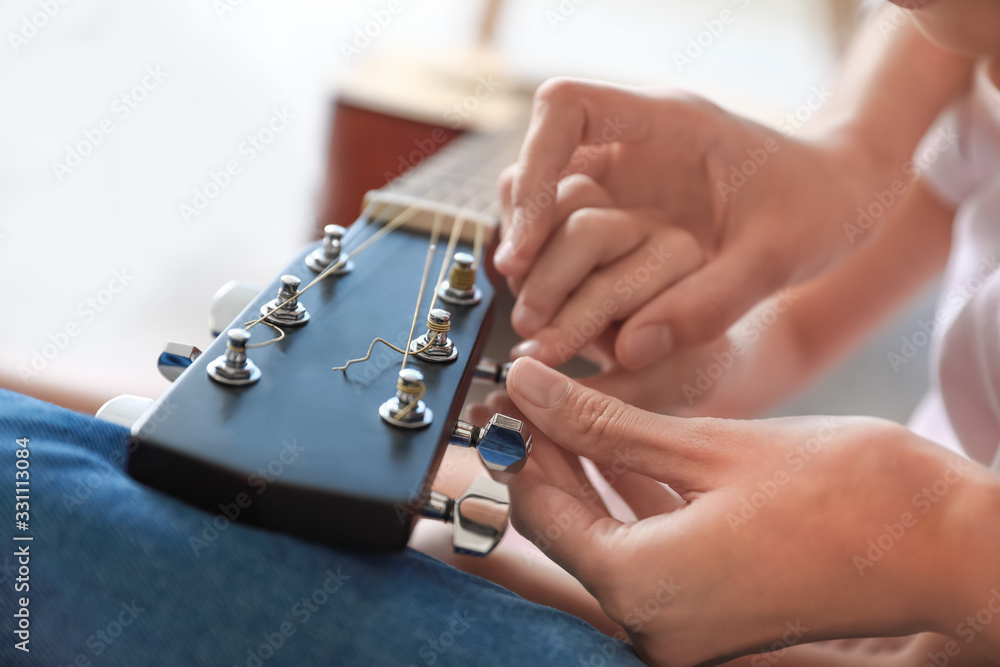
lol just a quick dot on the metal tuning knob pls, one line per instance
(228, 303)
(234, 367)
(285, 310)
(480, 515)
(503, 444)
(406, 409)
(460, 288)
(330, 252)
(175, 359)
(435, 346)
(488, 370)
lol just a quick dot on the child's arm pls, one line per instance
(830, 316)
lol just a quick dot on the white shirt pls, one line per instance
(959, 159)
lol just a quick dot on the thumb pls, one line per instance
(687, 454)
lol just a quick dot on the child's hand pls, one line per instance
(793, 530)
(739, 209)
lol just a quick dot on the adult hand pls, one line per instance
(660, 210)
(794, 530)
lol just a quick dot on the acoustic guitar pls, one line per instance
(324, 408)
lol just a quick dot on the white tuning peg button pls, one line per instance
(228, 303)
(124, 410)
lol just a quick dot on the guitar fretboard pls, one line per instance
(460, 180)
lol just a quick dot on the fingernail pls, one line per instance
(526, 319)
(504, 253)
(538, 383)
(648, 344)
(527, 348)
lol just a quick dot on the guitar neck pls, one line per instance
(459, 181)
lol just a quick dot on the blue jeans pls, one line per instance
(120, 574)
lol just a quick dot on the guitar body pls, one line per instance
(366, 147)
(304, 450)
(392, 113)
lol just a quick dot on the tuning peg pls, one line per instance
(503, 444)
(488, 370)
(480, 515)
(228, 303)
(124, 410)
(175, 359)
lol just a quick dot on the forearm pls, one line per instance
(969, 612)
(793, 338)
(893, 83)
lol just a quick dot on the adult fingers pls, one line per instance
(567, 113)
(688, 454)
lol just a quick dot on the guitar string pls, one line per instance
(428, 262)
(456, 230)
(477, 248)
(432, 248)
(389, 227)
(397, 221)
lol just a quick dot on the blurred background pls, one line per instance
(117, 117)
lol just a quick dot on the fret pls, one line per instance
(460, 179)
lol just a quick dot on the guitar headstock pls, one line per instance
(278, 437)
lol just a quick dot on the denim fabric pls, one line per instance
(114, 579)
